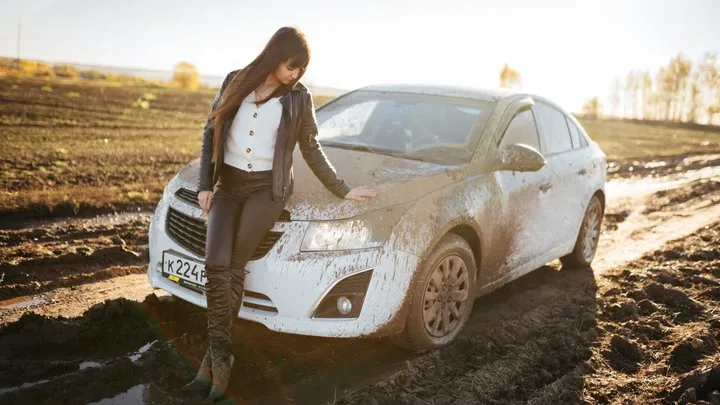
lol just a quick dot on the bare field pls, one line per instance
(79, 148)
(638, 328)
(79, 322)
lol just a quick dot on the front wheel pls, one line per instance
(588, 238)
(441, 296)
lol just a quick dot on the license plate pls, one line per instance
(186, 272)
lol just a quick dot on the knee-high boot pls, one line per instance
(220, 318)
(203, 378)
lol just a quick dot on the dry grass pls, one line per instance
(623, 140)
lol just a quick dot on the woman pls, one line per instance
(258, 116)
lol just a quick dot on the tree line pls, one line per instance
(681, 91)
(185, 75)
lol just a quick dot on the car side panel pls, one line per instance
(477, 201)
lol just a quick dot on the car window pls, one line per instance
(438, 129)
(583, 141)
(351, 120)
(522, 129)
(553, 129)
(583, 136)
(574, 135)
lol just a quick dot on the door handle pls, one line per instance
(582, 172)
(545, 187)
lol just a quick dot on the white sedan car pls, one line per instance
(475, 189)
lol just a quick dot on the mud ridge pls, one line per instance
(650, 334)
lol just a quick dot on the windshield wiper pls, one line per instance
(358, 146)
(368, 148)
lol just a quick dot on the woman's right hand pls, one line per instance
(205, 199)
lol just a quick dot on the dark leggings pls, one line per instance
(241, 213)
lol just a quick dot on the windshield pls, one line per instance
(435, 129)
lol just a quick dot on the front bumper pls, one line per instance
(284, 287)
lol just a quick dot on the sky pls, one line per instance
(566, 50)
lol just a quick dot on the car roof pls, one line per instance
(447, 91)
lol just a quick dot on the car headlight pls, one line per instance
(366, 231)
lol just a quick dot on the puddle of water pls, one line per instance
(133, 396)
(82, 366)
(21, 387)
(136, 356)
(89, 364)
(21, 302)
(620, 188)
(615, 252)
(701, 158)
(655, 164)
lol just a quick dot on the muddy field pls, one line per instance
(87, 148)
(81, 148)
(79, 324)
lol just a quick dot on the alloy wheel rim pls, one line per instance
(592, 231)
(445, 297)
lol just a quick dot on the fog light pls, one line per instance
(344, 306)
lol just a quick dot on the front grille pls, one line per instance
(188, 196)
(191, 197)
(190, 233)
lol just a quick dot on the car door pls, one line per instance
(518, 232)
(565, 190)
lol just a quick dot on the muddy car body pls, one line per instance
(475, 189)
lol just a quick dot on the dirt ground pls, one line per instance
(84, 148)
(80, 325)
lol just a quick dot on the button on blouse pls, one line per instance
(251, 140)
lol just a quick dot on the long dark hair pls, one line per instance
(288, 43)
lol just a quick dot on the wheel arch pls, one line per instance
(471, 232)
(601, 195)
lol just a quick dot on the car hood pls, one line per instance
(396, 181)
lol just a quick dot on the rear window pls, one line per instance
(554, 129)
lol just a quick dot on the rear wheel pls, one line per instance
(588, 238)
(441, 297)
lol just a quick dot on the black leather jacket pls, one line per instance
(297, 126)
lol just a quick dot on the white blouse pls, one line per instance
(251, 142)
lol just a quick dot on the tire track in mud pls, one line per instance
(536, 340)
(660, 211)
(648, 334)
(71, 252)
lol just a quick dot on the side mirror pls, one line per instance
(519, 157)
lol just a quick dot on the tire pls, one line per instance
(587, 241)
(448, 290)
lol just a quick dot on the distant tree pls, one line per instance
(676, 79)
(66, 71)
(709, 77)
(679, 91)
(510, 78)
(186, 76)
(647, 95)
(28, 67)
(695, 99)
(712, 112)
(592, 108)
(44, 70)
(633, 86)
(94, 74)
(616, 98)
(664, 94)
